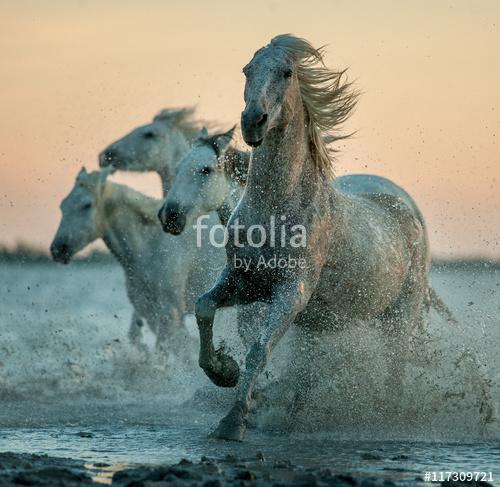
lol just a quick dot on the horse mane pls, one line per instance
(236, 164)
(235, 161)
(180, 118)
(328, 98)
(120, 195)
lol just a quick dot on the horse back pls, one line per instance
(371, 185)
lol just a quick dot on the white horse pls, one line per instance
(363, 247)
(157, 146)
(210, 177)
(156, 265)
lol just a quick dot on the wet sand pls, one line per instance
(26, 469)
(42, 470)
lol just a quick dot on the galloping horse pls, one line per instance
(157, 146)
(364, 250)
(126, 220)
(210, 177)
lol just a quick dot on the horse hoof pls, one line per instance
(235, 433)
(228, 372)
(229, 431)
(232, 427)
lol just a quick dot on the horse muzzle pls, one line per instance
(254, 124)
(109, 158)
(61, 252)
(172, 219)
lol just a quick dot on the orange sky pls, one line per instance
(75, 75)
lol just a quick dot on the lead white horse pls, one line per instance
(157, 266)
(212, 177)
(359, 252)
(154, 147)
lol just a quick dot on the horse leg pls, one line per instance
(170, 329)
(405, 315)
(220, 368)
(307, 378)
(135, 330)
(469, 361)
(288, 300)
(247, 316)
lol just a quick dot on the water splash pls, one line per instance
(63, 341)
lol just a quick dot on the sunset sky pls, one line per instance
(76, 75)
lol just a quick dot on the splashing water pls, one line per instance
(66, 365)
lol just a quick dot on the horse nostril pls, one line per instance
(60, 252)
(109, 155)
(262, 120)
(173, 216)
(168, 216)
(172, 220)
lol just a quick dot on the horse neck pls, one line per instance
(236, 170)
(124, 214)
(283, 162)
(166, 177)
(234, 191)
(177, 147)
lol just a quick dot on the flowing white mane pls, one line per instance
(181, 118)
(328, 97)
(118, 195)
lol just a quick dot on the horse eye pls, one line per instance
(288, 73)
(87, 206)
(148, 135)
(206, 170)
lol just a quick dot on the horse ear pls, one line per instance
(222, 141)
(81, 175)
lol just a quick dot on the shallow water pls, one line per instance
(72, 386)
(122, 445)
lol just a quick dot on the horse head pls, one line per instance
(271, 88)
(200, 184)
(80, 223)
(156, 146)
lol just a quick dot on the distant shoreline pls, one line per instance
(27, 254)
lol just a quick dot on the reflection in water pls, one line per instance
(103, 473)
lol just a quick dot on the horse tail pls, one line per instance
(434, 301)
